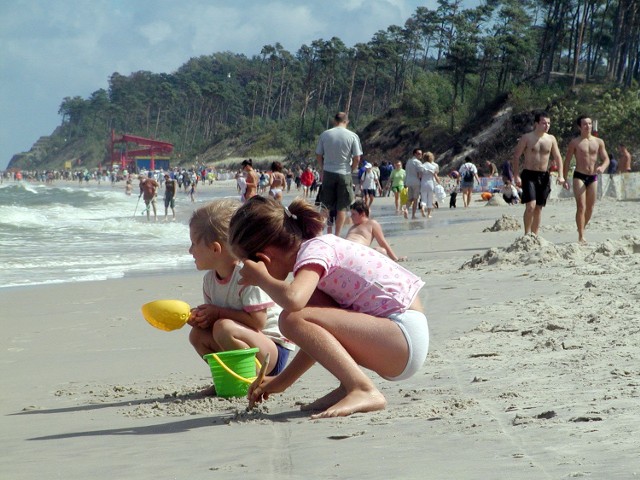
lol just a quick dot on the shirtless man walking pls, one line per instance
(148, 188)
(535, 180)
(587, 149)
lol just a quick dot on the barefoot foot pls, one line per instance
(326, 401)
(354, 402)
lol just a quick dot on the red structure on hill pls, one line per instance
(146, 147)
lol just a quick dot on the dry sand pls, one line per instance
(533, 370)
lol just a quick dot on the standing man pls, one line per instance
(338, 154)
(624, 164)
(385, 172)
(412, 182)
(170, 188)
(535, 179)
(148, 190)
(587, 149)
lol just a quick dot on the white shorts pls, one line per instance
(415, 329)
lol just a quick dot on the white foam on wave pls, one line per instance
(82, 234)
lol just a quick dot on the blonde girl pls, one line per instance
(233, 316)
(347, 306)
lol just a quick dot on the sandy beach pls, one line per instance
(533, 370)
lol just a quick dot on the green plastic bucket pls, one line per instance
(233, 371)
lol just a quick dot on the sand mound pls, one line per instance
(496, 201)
(506, 222)
(535, 250)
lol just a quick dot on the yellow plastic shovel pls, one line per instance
(166, 314)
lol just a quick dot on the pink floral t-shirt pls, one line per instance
(358, 277)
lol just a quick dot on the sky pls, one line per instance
(50, 50)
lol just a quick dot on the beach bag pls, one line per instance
(440, 194)
(404, 195)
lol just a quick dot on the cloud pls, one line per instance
(52, 51)
(156, 32)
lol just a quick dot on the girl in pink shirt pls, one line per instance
(347, 305)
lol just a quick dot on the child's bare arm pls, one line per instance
(256, 320)
(206, 315)
(292, 296)
(376, 230)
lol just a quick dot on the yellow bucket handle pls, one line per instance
(234, 374)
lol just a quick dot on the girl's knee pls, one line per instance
(197, 336)
(289, 322)
(223, 327)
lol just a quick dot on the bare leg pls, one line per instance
(591, 194)
(537, 217)
(527, 218)
(341, 217)
(341, 341)
(232, 335)
(580, 194)
(466, 197)
(202, 341)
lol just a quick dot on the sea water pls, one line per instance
(67, 233)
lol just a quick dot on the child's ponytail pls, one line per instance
(310, 222)
(262, 222)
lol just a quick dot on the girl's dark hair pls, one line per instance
(263, 221)
(246, 162)
(276, 167)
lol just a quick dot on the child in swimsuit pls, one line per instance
(347, 305)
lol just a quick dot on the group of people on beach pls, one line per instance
(274, 280)
(276, 181)
(539, 147)
(529, 183)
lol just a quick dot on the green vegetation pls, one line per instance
(441, 72)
